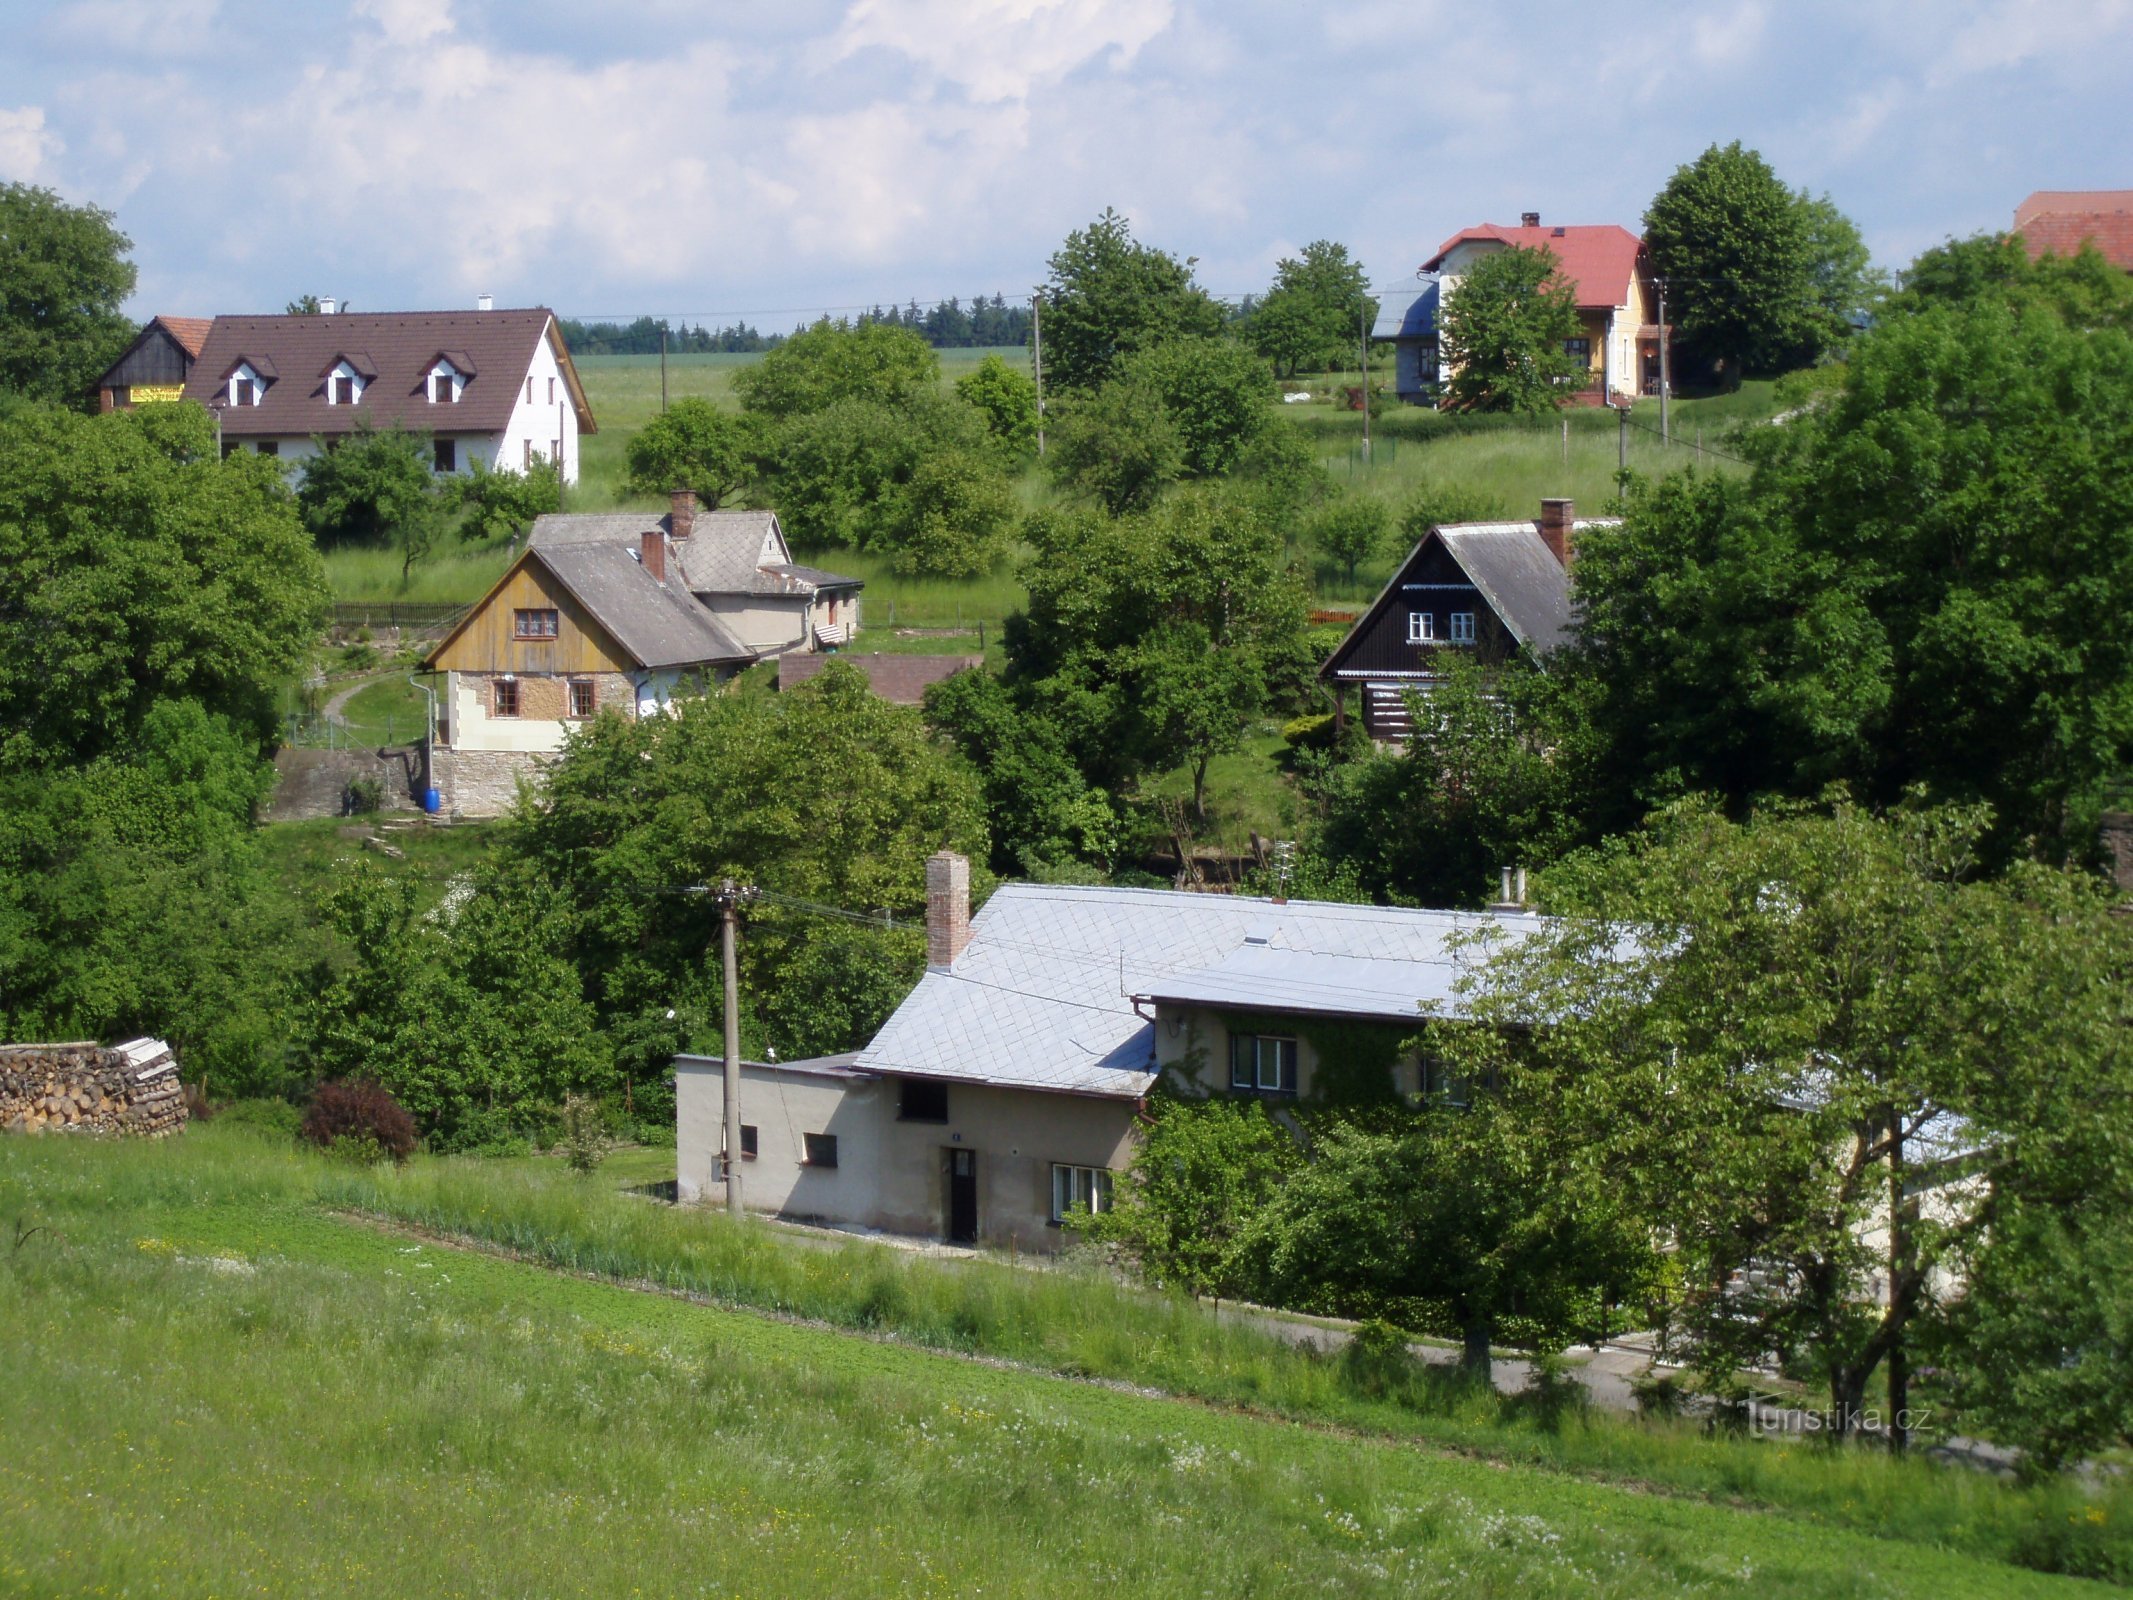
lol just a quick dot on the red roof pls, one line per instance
(1597, 260)
(190, 332)
(2059, 221)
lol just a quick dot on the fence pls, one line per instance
(397, 613)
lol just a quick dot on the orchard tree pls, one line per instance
(502, 502)
(1351, 529)
(63, 277)
(1763, 1038)
(1007, 399)
(1318, 311)
(1045, 816)
(1117, 446)
(374, 486)
(832, 361)
(694, 444)
(1504, 331)
(1736, 249)
(1110, 296)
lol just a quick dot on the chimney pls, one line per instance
(1557, 528)
(485, 302)
(947, 907)
(681, 521)
(1511, 895)
(326, 304)
(1529, 219)
(653, 553)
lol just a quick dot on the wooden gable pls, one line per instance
(1431, 583)
(487, 637)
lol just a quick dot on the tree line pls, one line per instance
(946, 325)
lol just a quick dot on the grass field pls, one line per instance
(220, 1382)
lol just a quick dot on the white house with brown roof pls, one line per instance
(496, 387)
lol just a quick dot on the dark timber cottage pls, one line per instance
(1489, 590)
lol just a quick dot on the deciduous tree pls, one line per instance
(694, 444)
(63, 277)
(1737, 251)
(1110, 295)
(1318, 311)
(1007, 399)
(832, 361)
(1502, 333)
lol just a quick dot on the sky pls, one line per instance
(770, 161)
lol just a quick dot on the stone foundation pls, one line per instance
(84, 1088)
(484, 783)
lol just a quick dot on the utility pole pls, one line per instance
(662, 367)
(729, 909)
(1036, 356)
(1666, 431)
(1622, 438)
(1362, 328)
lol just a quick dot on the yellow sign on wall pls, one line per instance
(142, 394)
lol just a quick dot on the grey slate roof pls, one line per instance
(1042, 997)
(661, 625)
(1518, 575)
(727, 552)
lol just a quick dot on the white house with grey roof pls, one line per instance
(1004, 1091)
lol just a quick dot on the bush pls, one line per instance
(364, 796)
(361, 1112)
(1377, 1360)
(585, 1140)
(268, 1116)
(1309, 733)
(485, 1131)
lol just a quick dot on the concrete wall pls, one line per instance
(892, 1174)
(482, 783)
(314, 783)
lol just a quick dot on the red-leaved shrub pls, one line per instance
(359, 1111)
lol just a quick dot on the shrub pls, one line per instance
(1377, 1359)
(484, 1131)
(1309, 733)
(364, 796)
(585, 1141)
(359, 1110)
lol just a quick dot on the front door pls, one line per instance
(962, 1197)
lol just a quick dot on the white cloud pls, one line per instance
(1001, 49)
(26, 145)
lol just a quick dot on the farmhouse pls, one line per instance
(495, 387)
(1485, 591)
(1003, 1092)
(1617, 340)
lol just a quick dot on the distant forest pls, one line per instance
(947, 325)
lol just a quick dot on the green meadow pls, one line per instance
(235, 1367)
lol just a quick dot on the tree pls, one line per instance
(1771, 1038)
(1918, 584)
(502, 502)
(1214, 392)
(1845, 286)
(694, 444)
(1007, 399)
(1318, 311)
(953, 519)
(63, 277)
(303, 306)
(1044, 815)
(1117, 446)
(1503, 333)
(734, 786)
(1736, 250)
(1351, 529)
(376, 486)
(1109, 296)
(830, 361)
(137, 568)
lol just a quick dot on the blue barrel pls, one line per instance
(433, 801)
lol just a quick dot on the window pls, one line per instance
(1579, 350)
(441, 389)
(506, 698)
(1439, 1083)
(1462, 627)
(528, 462)
(1262, 1062)
(229, 448)
(529, 388)
(748, 1141)
(551, 391)
(444, 455)
(344, 391)
(922, 1101)
(533, 624)
(270, 447)
(583, 702)
(243, 392)
(1083, 1188)
(821, 1149)
(1421, 627)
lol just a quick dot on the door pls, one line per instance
(962, 1197)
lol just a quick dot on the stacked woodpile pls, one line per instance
(130, 1088)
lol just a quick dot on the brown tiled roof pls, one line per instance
(902, 680)
(2059, 221)
(400, 347)
(190, 332)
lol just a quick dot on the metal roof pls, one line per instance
(727, 552)
(1518, 575)
(1042, 997)
(659, 624)
(1417, 321)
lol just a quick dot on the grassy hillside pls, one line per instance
(220, 1381)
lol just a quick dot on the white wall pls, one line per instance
(540, 421)
(468, 725)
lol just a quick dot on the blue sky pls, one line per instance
(712, 160)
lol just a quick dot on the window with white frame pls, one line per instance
(1421, 627)
(445, 384)
(1079, 1189)
(1265, 1063)
(1462, 627)
(344, 385)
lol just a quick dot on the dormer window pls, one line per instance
(448, 376)
(245, 385)
(347, 378)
